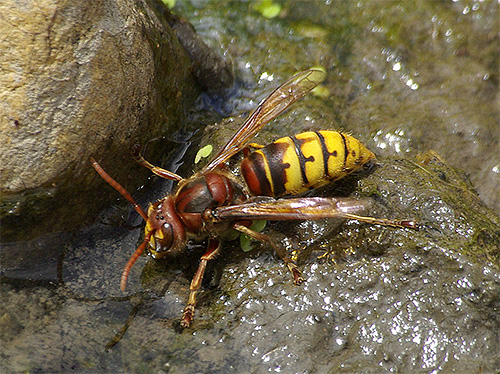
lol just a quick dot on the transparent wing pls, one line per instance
(278, 101)
(304, 208)
(307, 208)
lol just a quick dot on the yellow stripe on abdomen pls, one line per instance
(334, 153)
(293, 181)
(312, 161)
(307, 160)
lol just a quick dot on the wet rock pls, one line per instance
(397, 300)
(212, 72)
(407, 79)
(431, 83)
(375, 298)
(9, 327)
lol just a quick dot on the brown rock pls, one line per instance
(80, 79)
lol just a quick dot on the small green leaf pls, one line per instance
(203, 152)
(245, 240)
(258, 225)
(245, 243)
(267, 8)
(169, 3)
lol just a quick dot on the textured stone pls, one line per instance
(79, 79)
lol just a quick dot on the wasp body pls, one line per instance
(213, 201)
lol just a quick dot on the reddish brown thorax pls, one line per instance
(173, 216)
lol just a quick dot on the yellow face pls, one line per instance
(166, 231)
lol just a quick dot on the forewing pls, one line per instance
(304, 208)
(278, 101)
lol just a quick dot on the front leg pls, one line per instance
(212, 251)
(136, 154)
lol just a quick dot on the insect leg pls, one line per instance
(297, 276)
(255, 146)
(248, 149)
(212, 251)
(155, 169)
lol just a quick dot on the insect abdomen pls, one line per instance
(294, 164)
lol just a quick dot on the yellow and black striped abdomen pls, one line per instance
(294, 164)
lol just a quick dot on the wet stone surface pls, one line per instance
(375, 299)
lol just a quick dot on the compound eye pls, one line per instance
(164, 237)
